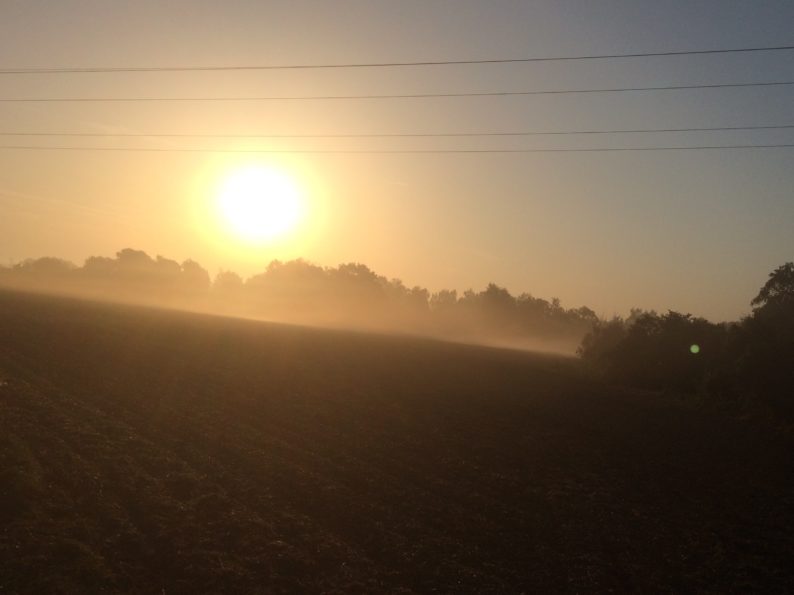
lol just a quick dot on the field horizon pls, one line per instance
(146, 450)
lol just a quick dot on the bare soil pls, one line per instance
(148, 451)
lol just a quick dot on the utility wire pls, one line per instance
(386, 151)
(389, 96)
(91, 69)
(396, 134)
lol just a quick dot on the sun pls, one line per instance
(258, 203)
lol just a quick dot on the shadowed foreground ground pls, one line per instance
(151, 451)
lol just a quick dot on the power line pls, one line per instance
(397, 134)
(391, 96)
(91, 69)
(386, 151)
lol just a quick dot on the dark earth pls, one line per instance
(151, 451)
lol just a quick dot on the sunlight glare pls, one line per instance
(259, 203)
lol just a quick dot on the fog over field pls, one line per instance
(348, 296)
(144, 450)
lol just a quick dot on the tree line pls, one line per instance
(748, 362)
(298, 291)
(751, 360)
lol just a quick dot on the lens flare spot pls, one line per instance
(694, 348)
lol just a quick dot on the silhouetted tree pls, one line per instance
(751, 361)
(227, 282)
(444, 300)
(765, 367)
(45, 267)
(778, 291)
(194, 279)
(42, 274)
(599, 346)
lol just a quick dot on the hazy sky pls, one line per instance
(696, 231)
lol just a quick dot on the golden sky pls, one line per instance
(696, 231)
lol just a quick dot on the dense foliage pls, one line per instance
(751, 360)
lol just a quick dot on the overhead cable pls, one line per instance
(243, 67)
(391, 134)
(389, 95)
(385, 151)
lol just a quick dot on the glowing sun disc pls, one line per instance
(259, 204)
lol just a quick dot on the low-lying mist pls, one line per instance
(297, 292)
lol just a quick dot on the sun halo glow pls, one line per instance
(258, 204)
